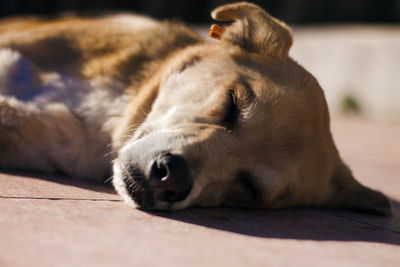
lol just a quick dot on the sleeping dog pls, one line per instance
(177, 121)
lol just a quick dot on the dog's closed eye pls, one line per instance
(231, 111)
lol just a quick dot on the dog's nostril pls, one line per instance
(169, 178)
(159, 171)
(166, 167)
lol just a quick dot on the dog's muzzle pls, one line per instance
(166, 179)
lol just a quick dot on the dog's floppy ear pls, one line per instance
(349, 194)
(254, 29)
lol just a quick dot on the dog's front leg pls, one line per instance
(23, 128)
(47, 139)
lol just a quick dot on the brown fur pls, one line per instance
(77, 94)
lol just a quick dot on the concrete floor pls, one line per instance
(54, 221)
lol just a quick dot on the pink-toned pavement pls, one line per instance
(54, 221)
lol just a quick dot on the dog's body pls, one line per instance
(187, 122)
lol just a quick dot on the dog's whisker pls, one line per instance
(111, 153)
(108, 179)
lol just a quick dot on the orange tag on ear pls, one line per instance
(216, 31)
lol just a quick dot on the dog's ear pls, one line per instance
(349, 194)
(254, 29)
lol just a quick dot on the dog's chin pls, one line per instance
(137, 194)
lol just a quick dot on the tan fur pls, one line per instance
(78, 93)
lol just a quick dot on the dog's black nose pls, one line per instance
(170, 179)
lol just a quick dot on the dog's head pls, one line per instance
(237, 123)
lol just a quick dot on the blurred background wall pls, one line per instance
(351, 46)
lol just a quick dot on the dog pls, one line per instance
(177, 121)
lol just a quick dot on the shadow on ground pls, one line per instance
(302, 224)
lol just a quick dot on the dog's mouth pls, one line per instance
(167, 182)
(138, 189)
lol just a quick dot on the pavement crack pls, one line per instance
(62, 198)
